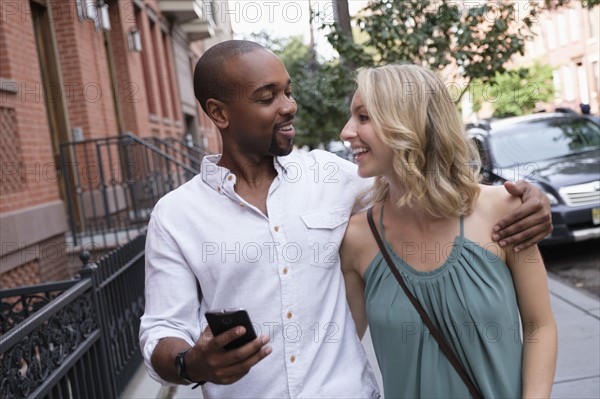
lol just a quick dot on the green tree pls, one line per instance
(477, 37)
(514, 92)
(553, 4)
(322, 111)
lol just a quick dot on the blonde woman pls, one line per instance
(491, 304)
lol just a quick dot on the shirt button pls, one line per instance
(276, 229)
(292, 359)
(229, 178)
(289, 315)
(242, 205)
(285, 270)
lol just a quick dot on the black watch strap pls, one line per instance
(182, 370)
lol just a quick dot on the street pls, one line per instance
(577, 264)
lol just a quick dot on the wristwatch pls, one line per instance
(182, 371)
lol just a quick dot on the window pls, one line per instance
(596, 72)
(168, 50)
(551, 34)
(593, 21)
(584, 95)
(574, 24)
(562, 29)
(567, 77)
(537, 141)
(146, 61)
(161, 73)
(557, 83)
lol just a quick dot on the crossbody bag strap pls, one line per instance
(434, 331)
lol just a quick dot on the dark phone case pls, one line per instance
(222, 321)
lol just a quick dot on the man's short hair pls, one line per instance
(210, 79)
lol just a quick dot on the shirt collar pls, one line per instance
(283, 163)
(216, 176)
(213, 174)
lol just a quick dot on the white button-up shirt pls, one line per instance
(282, 268)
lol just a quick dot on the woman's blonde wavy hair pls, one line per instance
(412, 113)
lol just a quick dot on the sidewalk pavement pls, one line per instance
(577, 375)
(578, 317)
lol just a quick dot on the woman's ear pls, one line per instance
(216, 112)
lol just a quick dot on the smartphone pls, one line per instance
(225, 319)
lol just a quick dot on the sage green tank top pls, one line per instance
(471, 300)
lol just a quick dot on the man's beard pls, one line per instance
(276, 150)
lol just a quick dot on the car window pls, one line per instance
(480, 145)
(543, 140)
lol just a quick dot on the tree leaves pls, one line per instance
(321, 89)
(514, 92)
(478, 38)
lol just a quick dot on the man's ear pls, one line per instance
(216, 112)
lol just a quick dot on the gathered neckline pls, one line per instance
(456, 247)
(455, 252)
(451, 261)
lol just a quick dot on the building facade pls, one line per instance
(79, 70)
(568, 39)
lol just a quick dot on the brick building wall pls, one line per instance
(28, 176)
(130, 86)
(210, 133)
(157, 112)
(31, 211)
(568, 39)
(85, 74)
(95, 85)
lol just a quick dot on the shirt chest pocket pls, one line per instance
(324, 230)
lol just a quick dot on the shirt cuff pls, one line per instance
(147, 354)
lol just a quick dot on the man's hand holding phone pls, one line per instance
(219, 359)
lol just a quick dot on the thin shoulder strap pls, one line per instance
(381, 222)
(445, 348)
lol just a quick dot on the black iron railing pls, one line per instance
(113, 183)
(75, 339)
(188, 153)
(189, 146)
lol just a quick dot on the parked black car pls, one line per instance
(558, 152)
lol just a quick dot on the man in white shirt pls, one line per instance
(260, 228)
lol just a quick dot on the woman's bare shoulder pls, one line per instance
(495, 202)
(358, 246)
(357, 227)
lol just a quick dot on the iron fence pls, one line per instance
(112, 184)
(188, 153)
(75, 339)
